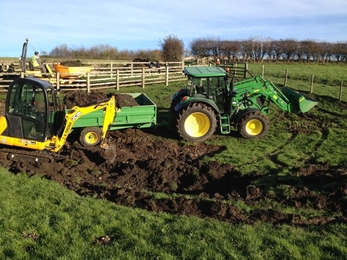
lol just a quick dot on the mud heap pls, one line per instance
(81, 98)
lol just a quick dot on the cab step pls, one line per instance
(224, 123)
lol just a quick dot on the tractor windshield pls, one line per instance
(206, 86)
(213, 88)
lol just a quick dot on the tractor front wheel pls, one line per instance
(253, 125)
(90, 136)
(196, 123)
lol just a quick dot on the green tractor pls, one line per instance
(212, 99)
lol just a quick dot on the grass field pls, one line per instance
(300, 75)
(42, 220)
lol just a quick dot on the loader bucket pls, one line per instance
(299, 102)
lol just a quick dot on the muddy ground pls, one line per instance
(149, 162)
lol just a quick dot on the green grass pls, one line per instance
(42, 220)
(325, 74)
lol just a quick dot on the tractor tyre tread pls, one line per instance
(253, 115)
(184, 113)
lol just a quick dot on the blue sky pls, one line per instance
(143, 24)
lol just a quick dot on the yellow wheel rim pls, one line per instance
(197, 124)
(91, 138)
(254, 127)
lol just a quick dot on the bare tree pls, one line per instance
(247, 50)
(276, 50)
(213, 45)
(172, 48)
(229, 49)
(258, 49)
(340, 51)
(301, 50)
(310, 49)
(288, 48)
(200, 48)
(61, 51)
(267, 48)
(126, 55)
(325, 51)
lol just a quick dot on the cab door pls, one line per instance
(26, 111)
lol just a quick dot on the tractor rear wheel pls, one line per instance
(196, 123)
(253, 125)
(90, 136)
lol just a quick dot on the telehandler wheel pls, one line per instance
(90, 136)
(196, 123)
(253, 125)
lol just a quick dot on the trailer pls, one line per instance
(144, 115)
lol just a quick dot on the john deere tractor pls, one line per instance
(212, 99)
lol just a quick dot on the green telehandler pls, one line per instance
(213, 99)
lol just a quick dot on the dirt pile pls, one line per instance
(79, 98)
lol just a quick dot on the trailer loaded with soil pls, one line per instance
(133, 110)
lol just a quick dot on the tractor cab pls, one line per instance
(208, 83)
(213, 88)
(30, 109)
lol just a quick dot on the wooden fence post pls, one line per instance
(311, 88)
(58, 81)
(88, 82)
(246, 70)
(340, 95)
(286, 78)
(262, 70)
(111, 69)
(166, 74)
(233, 67)
(117, 80)
(143, 77)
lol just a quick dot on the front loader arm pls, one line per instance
(276, 96)
(288, 99)
(250, 91)
(76, 112)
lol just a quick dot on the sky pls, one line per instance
(144, 24)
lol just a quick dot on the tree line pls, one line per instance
(255, 49)
(252, 49)
(172, 49)
(104, 52)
